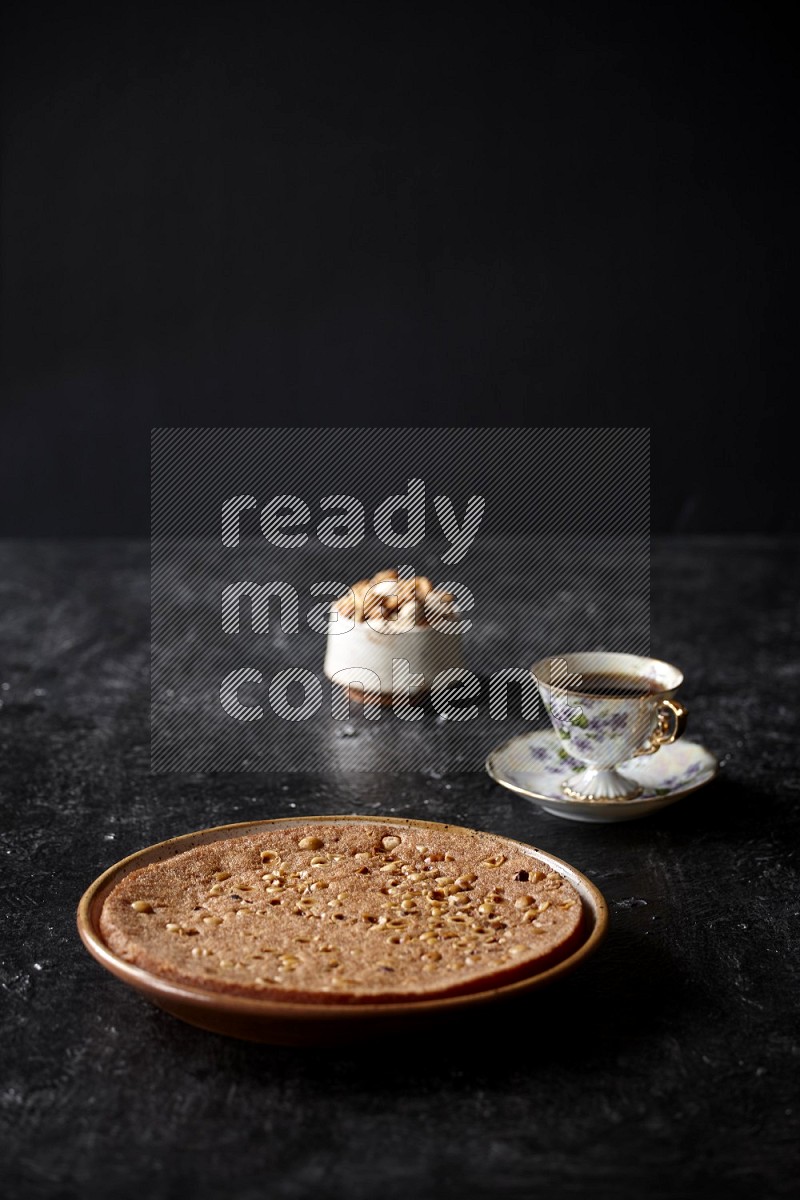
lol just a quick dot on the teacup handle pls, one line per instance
(671, 724)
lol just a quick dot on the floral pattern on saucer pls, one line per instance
(534, 764)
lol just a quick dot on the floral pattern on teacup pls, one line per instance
(602, 732)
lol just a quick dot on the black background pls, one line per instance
(394, 215)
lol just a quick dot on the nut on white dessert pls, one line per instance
(385, 625)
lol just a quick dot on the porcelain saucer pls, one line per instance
(533, 765)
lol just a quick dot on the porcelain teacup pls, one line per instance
(608, 708)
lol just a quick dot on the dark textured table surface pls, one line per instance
(666, 1067)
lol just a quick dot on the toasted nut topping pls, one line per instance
(443, 903)
(311, 843)
(346, 606)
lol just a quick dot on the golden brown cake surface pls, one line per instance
(345, 913)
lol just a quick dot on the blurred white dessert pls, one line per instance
(384, 622)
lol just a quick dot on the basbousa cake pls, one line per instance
(346, 913)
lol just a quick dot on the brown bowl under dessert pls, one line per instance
(360, 913)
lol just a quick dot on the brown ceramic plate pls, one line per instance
(310, 1024)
